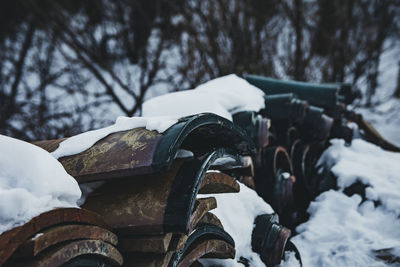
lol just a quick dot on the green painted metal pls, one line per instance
(284, 106)
(324, 95)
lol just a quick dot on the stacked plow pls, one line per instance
(58, 237)
(142, 207)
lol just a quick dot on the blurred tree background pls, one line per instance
(68, 66)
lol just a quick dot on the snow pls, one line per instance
(369, 164)
(37, 236)
(343, 230)
(183, 153)
(31, 182)
(223, 96)
(289, 260)
(384, 115)
(83, 141)
(237, 212)
(385, 118)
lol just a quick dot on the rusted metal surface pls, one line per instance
(135, 206)
(279, 247)
(62, 233)
(120, 154)
(217, 182)
(12, 239)
(197, 237)
(140, 151)
(269, 239)
(153, 244)
(213, 248)
(210, 218)
(68, 251)
(178, 242)
(201, 207)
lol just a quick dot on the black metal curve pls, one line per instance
(204, 232)
(184, 190)
(200, 134)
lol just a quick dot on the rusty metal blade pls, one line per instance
(140, 151)
(217, 182)
(121, 154)
(201, 207)
(197, 237)
(12, 239)
(210, 248)
(69, 251)
(62, 233)
(210, 218)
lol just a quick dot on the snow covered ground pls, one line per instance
(343, 230)
(385, 118)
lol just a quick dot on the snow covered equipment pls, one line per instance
(59, 236)
(145, 187)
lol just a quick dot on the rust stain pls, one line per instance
(134, 206)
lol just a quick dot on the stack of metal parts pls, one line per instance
(304, 116)
(142, 206)
(144, 188)
(60, 237)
